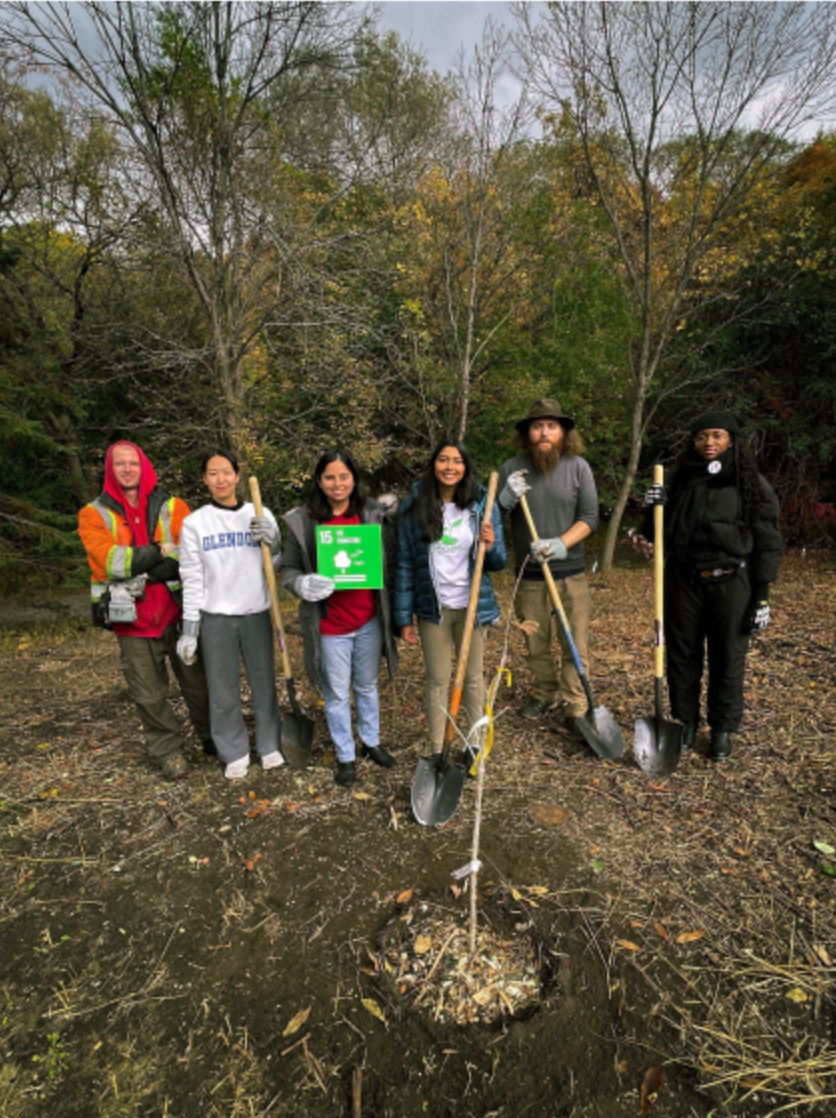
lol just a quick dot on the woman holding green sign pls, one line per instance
(345, 613)
(439, 529)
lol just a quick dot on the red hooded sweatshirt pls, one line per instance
(158, 609)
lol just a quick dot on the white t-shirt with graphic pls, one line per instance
(450, 558)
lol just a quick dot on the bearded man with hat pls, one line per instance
(563, 501)
(723, 547)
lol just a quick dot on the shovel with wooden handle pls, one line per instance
(600, 730)
(657, 743)
(297, 727)
(437, 786)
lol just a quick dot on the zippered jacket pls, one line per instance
(111, 535)
(415, 593)
(299, 558)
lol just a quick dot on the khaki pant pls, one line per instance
(532, 603)
(437, 643)
(144, 666)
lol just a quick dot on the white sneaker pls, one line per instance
(272, 761)
(237, 770)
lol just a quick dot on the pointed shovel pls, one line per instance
(600, 730)
(657, 744)
(297, 727)
(437, 786)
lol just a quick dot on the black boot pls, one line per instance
(345, 774)
(689, 733)
(379, 756)
(721, 746)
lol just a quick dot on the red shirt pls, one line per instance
(348, 610)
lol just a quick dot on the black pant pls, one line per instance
(700, 615)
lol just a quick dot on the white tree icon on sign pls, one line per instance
(342, 561)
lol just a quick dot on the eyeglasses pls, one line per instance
(710, 436)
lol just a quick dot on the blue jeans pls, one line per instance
(352, 660)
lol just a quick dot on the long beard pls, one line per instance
(545, 461)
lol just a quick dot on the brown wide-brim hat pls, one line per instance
(546, 409)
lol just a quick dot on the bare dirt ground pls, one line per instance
(226, 950)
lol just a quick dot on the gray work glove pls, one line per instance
(187, 644)
(264, 530)
(656, 495)
(544, 550)
(515, 487)
(135, 587)
(314, 588)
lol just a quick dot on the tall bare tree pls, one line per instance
(682, 112)
(186, 85)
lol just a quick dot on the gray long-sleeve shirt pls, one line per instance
(556, 501)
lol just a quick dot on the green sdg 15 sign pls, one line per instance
(352, 555)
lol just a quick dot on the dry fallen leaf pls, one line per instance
(797, 995)
(296, 1023)
(689, 937)
(662, 930)
(537, 890)
(422, 945)
(405, 897)
(362, 796)
(371, 1005)
(456, 890)
(249, 863)
(651, 1085)
(628, 945)
(547, 815)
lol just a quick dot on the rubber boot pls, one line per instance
(689, 734)
(721, 745)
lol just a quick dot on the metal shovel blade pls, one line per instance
(602, 733)
(297, 738)
(657, 745)
(436, 790)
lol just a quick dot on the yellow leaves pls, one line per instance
(405, 897)
(296, 1023)
(371, 1006)
(422, 945)
(797, 995)
(628, 945)
(689, 937)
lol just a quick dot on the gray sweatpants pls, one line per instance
(223, 639)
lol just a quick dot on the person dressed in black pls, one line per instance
(723, 547)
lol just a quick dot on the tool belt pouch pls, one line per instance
(121, 606)
(710, 576)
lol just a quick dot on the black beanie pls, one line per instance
(715, 421)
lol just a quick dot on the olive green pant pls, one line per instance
(437, 643)
(532, 603)
(144, 667)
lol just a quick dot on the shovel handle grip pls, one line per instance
(470, 618)
(658, 579)
(270, 576)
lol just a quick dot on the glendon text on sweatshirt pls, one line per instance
(221, 566)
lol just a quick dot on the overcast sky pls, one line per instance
(438, 29)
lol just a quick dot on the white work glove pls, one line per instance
(515, 487)
(187, 644)
(656, 495)
(264, 530)
(757, 618)
(314, 588)
(544, 550)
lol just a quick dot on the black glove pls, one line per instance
(656, 495)
(758, 615)
(167, 570)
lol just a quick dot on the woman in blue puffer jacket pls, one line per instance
(439, 529)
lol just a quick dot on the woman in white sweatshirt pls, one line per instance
(226, 605)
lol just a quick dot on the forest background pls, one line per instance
(272, 227)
